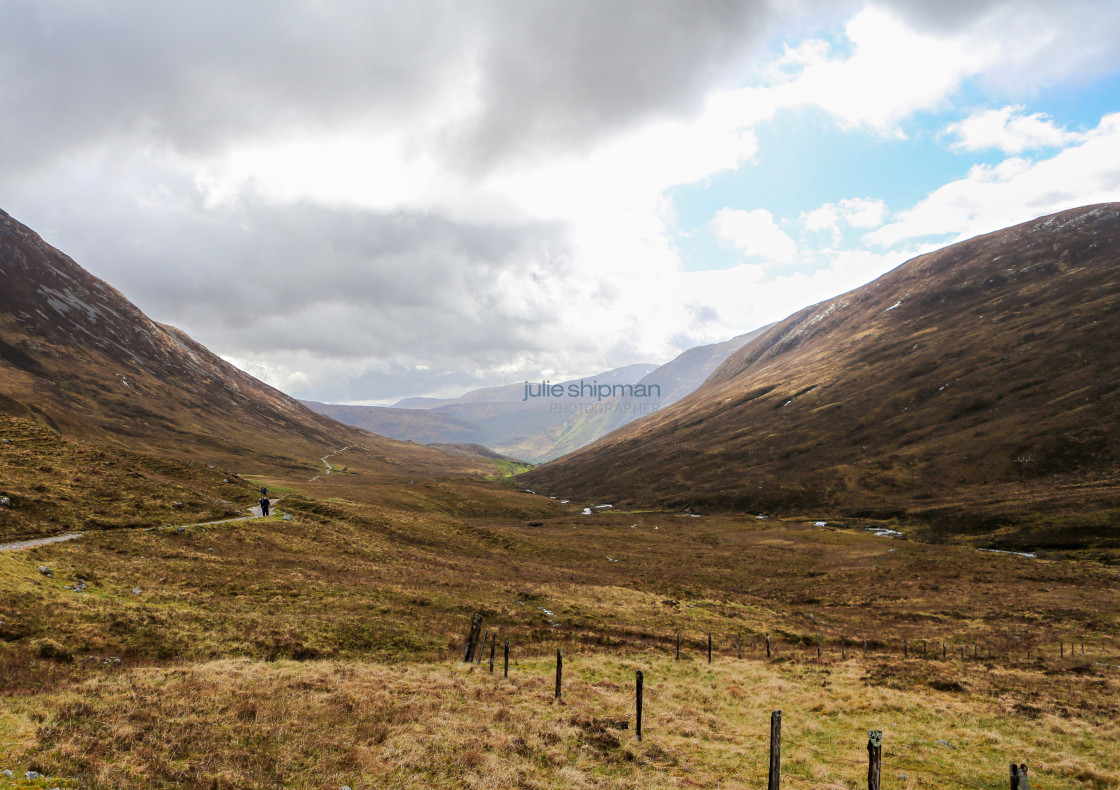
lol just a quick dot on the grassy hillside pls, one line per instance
(973, 390)
(325, 650)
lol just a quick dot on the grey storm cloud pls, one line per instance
(195, 75)
(342, 282)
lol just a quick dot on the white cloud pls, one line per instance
(1016, 190)
(850, 212)
(754, 233)
(888, 75)
(1009, 130)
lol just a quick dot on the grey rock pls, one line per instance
(5, 501)
(110, 661)
(77, 586)
(43, 569)
(176, 504)
(6, 772)
(181, 530)
(4, 441)
(225, 479)
(31, 776)
(287, 516)
(946, 743)
(137, 591)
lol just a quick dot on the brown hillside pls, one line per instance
(78, 356)
(971, 388)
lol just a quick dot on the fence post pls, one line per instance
(482, 647)
(639, 683)
(493, 647)
(559, 670)
(1019, 777)
(874, 758)
(768, 645)
(505, 671)
(709, 648)
(1061, 649)
(739, 644)
(472, 638)
(818, 646)
(943, 648)
(678, 645)
(865, 645)
(775, 781)
(844, 649)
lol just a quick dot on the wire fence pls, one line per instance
(477, 644)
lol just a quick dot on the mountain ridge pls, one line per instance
(981, 366)
(504, 419)
(77, 355)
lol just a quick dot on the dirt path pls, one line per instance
(255, 512)
(327, 463)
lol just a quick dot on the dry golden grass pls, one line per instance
(318, 652)
(240, 723)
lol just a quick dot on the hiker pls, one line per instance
(264, 506)
(264, 493)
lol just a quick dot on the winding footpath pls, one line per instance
(327, 463)
(255, 512)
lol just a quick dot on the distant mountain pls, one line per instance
(521, 422)
(967, 387)
(78, 356)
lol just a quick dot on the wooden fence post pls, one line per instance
(639, 683)
(709, 648)
(1019, 777)
(559, 670)
(472, 638)
(865, 645)
(844, 649)
(943, 648)
(678, 645)
(1061, 649)
(874, 758)
(739, 644)
(493, 646)
(818, 646)
(505, 672)
(775, 781)
(482, 647)
(768, 645)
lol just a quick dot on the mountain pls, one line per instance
(509, 421)
(970, 388)
(77, 356)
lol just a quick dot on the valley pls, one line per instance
(859, 555)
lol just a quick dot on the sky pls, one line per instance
(360, 201)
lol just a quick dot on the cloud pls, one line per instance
(369, 200)
(1015, 190)
(481, 85)
(849, 212)
(1009, 130)
(754, 233)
